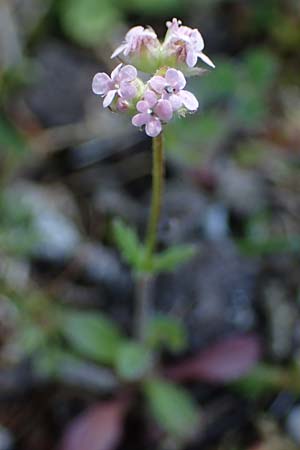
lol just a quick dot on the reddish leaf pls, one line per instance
(224, 361)
(98, 428)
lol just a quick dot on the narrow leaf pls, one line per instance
(173, 257)
(173, 408)
(92, 335)
(128, 243)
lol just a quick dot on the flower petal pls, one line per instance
(191, 58)
(153, 127)
(157, 83)
(101, 83)
(128, 73)
(175, 78)
(164, 110)
(127, 91)
(150, 98)
(197, 40)
(118, 50)
(140, 119)
(206, 60)
(142, 106)
(175, 101)
(189, 100)
(115, 72)
(109, 98)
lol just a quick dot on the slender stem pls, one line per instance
(157, 188)
(144, 281)
(143, 294)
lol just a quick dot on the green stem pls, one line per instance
(157, 188)
(144, 281)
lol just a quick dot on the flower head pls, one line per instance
(151, 113)
(142, 47)
(170, 87)
(154, 102)
(184, 44)
(121, 83)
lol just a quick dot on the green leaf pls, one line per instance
(167, 332)
(133, 361)
(11, 140)
(263, 379)
(17, 235)
(128, 243)
(172, 407)
(171, 258)
(92, 335)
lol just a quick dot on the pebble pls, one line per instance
(6, 439)
(293, 424)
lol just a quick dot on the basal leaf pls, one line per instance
(172, 407)
(92, 335)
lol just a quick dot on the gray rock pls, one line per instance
(53, 214)
(100, 265)
(281, 316)
(6, 439)
(293, 424)
(216, 222)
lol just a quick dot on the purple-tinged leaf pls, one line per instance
(222, 362)
(98, 428)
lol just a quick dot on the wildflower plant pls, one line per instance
(151, 105)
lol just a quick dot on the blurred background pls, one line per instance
(68, 168)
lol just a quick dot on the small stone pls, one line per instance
(293, 424)
(6, 439)
(53, 215)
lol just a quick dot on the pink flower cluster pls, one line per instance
(120, 83)
(154, 103)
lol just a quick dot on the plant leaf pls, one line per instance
(171, 258)
(166, 332)
(262, 379)
(133, 361)
(98, 428)
(93, 335)
(221, 362)
(172, 407)
(128, 244)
